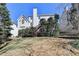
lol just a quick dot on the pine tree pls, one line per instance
(56, 31)
(5, 22)
(50, 26)
(43, 27)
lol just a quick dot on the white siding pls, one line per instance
(46, 17)
(24, 25)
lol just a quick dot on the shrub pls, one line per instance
(75, 44)
(28, 32)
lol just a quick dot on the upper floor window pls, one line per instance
(22, 21)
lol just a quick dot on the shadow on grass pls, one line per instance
(4, 44)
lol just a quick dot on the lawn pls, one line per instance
(39, 46)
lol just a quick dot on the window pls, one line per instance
(22, 26)
(22, 21)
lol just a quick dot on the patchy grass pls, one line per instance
(38, 46)
(19, 43)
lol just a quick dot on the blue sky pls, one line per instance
(17, 9)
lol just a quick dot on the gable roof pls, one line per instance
(25, 18)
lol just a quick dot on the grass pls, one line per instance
(75, 44)
(20, 43)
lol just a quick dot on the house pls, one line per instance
(26, 22)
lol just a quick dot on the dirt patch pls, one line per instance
(51, 47)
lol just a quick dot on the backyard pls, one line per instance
(40, 46)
